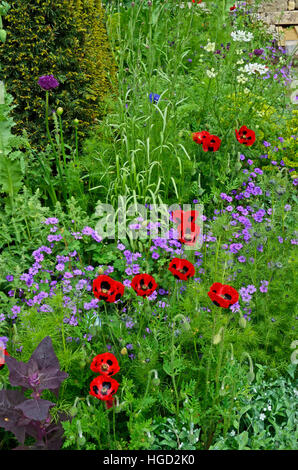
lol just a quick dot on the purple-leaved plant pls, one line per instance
(30, 416)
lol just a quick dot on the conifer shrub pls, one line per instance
(65, 38)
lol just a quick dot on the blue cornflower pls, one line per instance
(154, 97)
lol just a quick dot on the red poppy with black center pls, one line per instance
(184, 217)
(181, 269)
(143, 284)
(187, 228)
(199, 137)
(188, 233)
(103, 387)
(223, 295)
(2, 359)
(105, 364)
(107, 289)
(245, 136)
(211, 143)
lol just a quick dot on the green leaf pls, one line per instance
(10, 176)
(2, 35)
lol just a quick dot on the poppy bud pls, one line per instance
(59, 111)
(123, 351)
(147, 309)
(250, 376)
(81, 441)
(73, 411)
(216, 339)
(155, 382)
(76, 122)
(186, 326)
(242, 322)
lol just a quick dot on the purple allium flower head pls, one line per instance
(48, 82)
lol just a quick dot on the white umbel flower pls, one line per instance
(210, 47)
(242, 79)
(211, 73)
(240, 36)
(254, 68)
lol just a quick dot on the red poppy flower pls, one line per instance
(3, 352)
(103, 387)
(199, 137)
(143, 284)
(105, 364)
(184, 217)
(188, 233)
(187, 228)
(181, 269)
(106, 288)
(211, 143)
(245, 136)
(223, 295)
(233, 8)
(196, 1)
(110, 403)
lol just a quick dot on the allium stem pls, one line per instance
(50, 137)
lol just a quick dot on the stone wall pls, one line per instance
(279, 12)
(282, 18)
